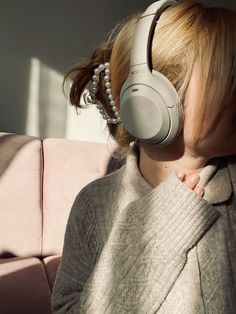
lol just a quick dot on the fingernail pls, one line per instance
(199, 190)
(180, 175)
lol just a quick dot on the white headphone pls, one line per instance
(150, 107)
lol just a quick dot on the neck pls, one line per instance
(156, 164)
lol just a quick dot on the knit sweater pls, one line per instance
(130, 248)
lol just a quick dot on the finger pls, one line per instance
(199, 190)
(192, 181)
(181, 176)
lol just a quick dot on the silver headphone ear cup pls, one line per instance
(150, 109)
(141, 115)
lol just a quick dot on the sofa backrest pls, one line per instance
(39, 180)
(69, 165)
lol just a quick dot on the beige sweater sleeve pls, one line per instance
(143, 256)
(76, 262)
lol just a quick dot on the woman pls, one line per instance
(159, 234)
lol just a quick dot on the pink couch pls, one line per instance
(39, 180)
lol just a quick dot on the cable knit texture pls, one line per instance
(130, 248)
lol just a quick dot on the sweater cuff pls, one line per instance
(176, 215)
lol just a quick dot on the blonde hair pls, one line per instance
(186, 34)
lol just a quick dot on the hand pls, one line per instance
(191, 181)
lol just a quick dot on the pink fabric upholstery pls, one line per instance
(24, 286)
(20, 191)
(39, 181)
(68, 166)
(51, 264)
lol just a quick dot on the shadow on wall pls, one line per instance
(14, 80)
(31, 99)
(39, 41)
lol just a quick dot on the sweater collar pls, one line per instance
(216, 181)
(214, 177)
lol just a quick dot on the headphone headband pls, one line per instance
(141, 44)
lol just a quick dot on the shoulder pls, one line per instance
(98, 193)
(94, 209)
(103, 186)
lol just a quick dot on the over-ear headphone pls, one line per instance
(150, 107)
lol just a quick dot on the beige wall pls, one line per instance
(39, 41)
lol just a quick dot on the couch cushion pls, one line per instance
(51, 264)
(20, 195)
(68, 166)
(24, 287)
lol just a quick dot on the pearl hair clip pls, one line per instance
(90, 98)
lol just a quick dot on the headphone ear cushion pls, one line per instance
(173, 103)
(166, 89)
